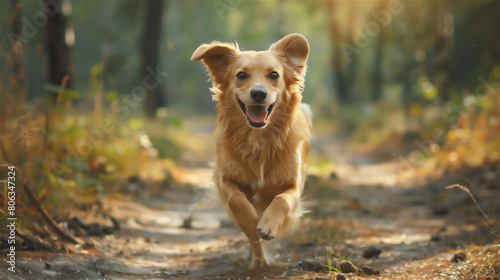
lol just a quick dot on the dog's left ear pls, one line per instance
(295, 48)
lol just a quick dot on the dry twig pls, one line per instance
(52, 224)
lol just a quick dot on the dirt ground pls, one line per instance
(365, 221)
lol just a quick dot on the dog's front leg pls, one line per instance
(275, 214)
(246, 217)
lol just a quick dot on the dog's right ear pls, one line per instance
(217, 57)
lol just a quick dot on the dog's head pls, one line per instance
(255, 81)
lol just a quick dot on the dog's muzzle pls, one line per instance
(257, 115)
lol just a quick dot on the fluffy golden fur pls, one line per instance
(262, 134)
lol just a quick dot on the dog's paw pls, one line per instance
(266, 234)
(272, 219)
(268, 227)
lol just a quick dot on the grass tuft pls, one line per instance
(332, 258)
(494, 228)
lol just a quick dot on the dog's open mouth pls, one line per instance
(257, 115)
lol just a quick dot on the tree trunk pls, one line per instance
(150, 55)
(13, 91)
(18, 69)
(58, 51)
(443, 43)
(344, 68)
(378, 54)
(414, 65)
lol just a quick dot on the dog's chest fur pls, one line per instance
(257, 159)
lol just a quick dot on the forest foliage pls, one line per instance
(423, 76)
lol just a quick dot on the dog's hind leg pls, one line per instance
(258, 256)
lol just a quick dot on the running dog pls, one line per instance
(262, 134)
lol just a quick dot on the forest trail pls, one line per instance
(386, 228)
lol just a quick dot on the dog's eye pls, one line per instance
(274, 76)
(241, 76)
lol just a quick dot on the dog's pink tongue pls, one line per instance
(257, 113)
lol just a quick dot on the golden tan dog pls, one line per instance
(262, 133)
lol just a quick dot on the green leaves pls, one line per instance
(62, 94)
(426, 88)
(52, 88)
(89, 183)
(69, 94)
(96, 70)
(175, 122)
(112, 95)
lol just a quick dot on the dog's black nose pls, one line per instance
(258, 94)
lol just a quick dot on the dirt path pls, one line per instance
(414, 228)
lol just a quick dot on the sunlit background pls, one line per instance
(100, 99)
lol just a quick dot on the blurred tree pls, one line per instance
(57, 49)
(17, 65)
(378, 54)
(415, 54)
(344, 62)
(443, 44)
(476, 42)
(11, 62)
(150, 54)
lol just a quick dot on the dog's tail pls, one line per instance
(307, 112)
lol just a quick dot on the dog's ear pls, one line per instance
(294, 48)
(217, 57)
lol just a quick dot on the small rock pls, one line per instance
(80, 222)
(308, 244)
(88, 245)
(188, 223)
(310, 265)
(47, 265)
(340, 277)
(440, 210)
(344, 266)
(371, 252)
(459, 257)
(116, 222)
(366, 211)
(334, 176)
(369, 271)
(108, 230)
(96, 229)
(436, 237)
(347, 267)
